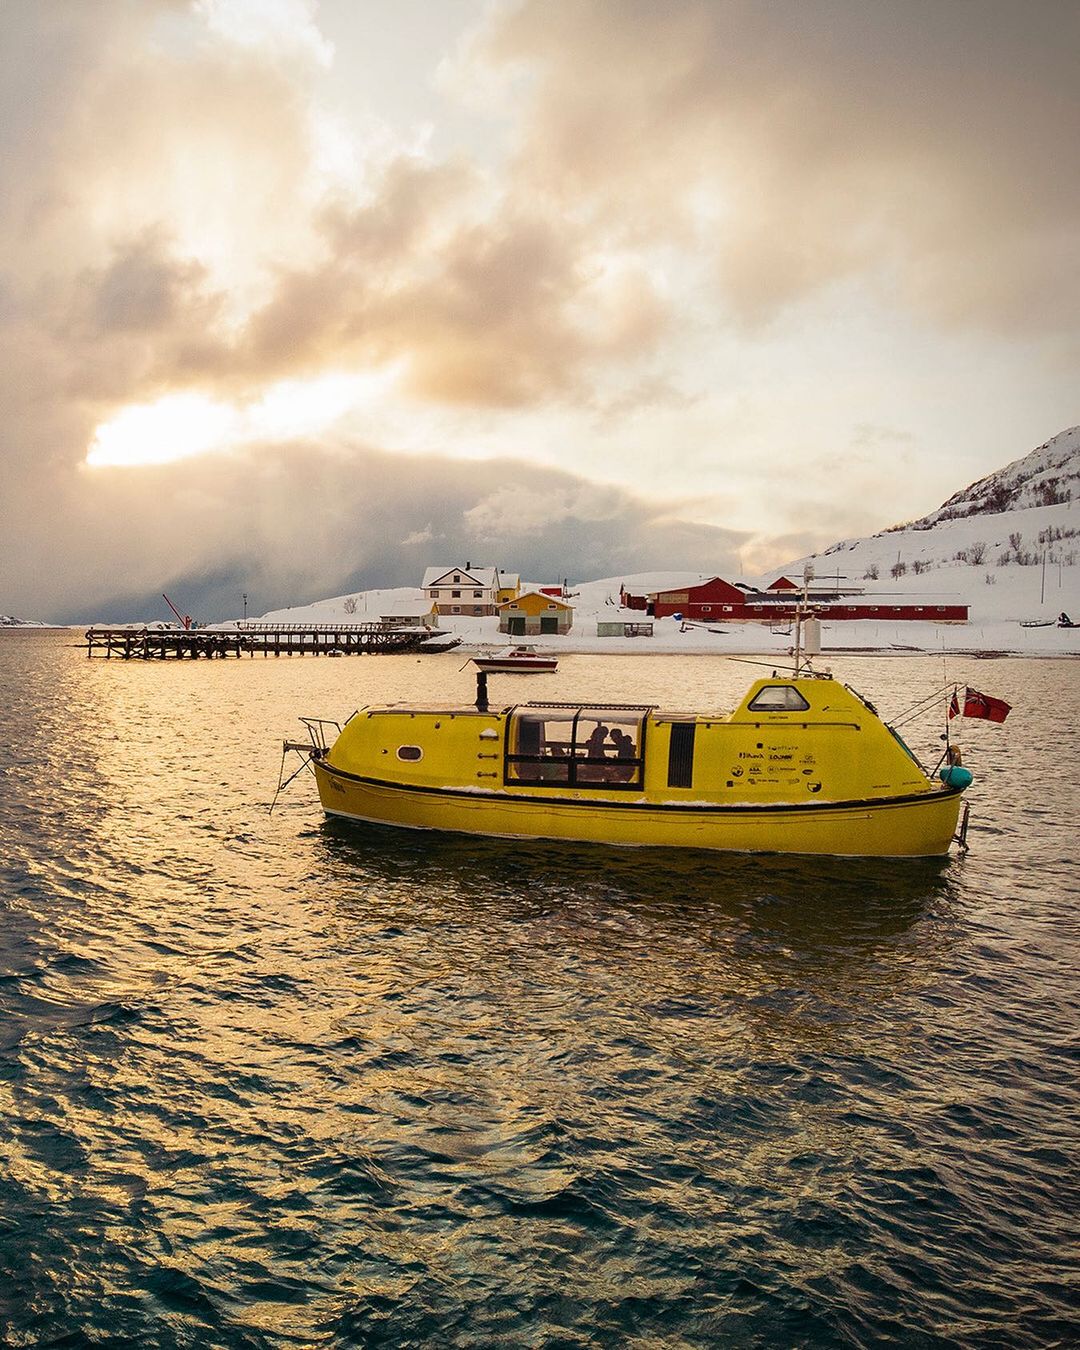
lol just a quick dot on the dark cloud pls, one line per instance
(142, 290)
(504, 308)
(290, 525)
(934, 145)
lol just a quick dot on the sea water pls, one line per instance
(267, 1080)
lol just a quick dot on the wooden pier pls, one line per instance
(163, 644)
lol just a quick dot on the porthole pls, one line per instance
(410, 752)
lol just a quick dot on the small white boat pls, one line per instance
(520, 660)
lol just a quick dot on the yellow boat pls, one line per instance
(802, 765)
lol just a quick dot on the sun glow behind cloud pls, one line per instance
(181, 426)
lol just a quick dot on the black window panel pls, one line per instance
(680, 770)
(584, 747)
(529, 737)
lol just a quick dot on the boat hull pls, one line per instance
(494, 666)
(919, 825)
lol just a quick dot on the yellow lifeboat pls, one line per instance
(802, 765)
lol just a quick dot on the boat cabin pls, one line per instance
(787, 740)
(575, 746)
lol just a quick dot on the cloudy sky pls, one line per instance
(300, 296)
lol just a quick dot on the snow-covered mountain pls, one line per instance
(1048, 476)
(8, 621)
(1025, 515)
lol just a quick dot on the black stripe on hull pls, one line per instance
(681, 808)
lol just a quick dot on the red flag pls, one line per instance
(954, 706)
(982, 705)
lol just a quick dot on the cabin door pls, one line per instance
(517, 625)
(549, 624)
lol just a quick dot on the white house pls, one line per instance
(469, 589)
(419, 613)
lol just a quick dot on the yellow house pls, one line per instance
(534, 613)
(508, 586)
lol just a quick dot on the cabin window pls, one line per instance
(455, 595)
(580, 747)
(409, 752)
(680, 771)
(779, 698)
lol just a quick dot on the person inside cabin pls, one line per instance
(624, 746)
(594, 746)
(624, 749)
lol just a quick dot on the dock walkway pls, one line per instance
(162, 644)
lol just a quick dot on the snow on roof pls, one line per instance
(395, 609)
(540, 595)
(479, 576)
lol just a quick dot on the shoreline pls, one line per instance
(469, 647)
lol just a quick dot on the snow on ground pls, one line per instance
(1018, 563)
(996, 610)
(360, 607)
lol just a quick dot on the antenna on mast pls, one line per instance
(807, 628)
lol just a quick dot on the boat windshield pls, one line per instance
(582, 747)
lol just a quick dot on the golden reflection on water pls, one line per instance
(337, 1056)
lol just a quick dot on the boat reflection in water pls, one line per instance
(828, 931)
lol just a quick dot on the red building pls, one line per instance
(714, 600)
(830, 612)
(704, 601)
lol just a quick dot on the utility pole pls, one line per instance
(245, 606)
(1042, 586)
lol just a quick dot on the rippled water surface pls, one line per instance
(267, 1080)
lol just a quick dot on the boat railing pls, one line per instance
(602, 707)
(316, 729)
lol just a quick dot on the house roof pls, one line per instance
(715, 588)
(535, 600)
(396, 609)
(783, 584)
(488, 577)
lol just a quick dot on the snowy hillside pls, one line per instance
(1049, 476)
(1017, 563)
(1008, 546)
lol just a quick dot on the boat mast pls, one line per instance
(809, 645)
